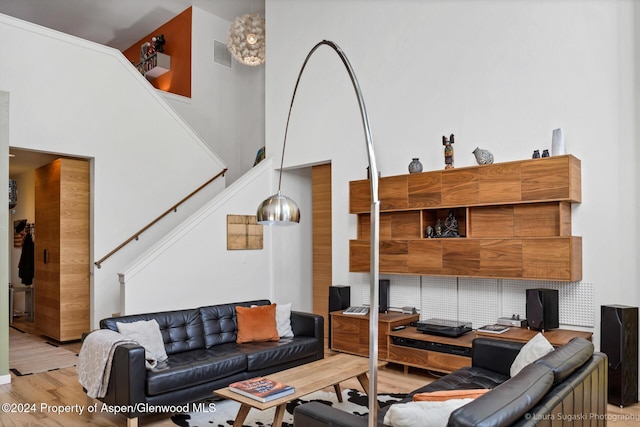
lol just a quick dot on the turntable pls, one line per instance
(444, 327)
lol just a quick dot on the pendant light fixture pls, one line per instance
(246, 40)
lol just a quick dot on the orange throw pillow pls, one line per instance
(257, 324)
(439, 396)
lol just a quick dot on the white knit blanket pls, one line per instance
(95, 357)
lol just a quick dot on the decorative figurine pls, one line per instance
(158, 43)
(415, 166)
(450, 226)
(438, 228)
(429, 232)
(545, 153)
(483, 157)
(536, 154)
(448, 151)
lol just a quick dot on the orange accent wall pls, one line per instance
(177, 35)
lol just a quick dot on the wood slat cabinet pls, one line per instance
(514, 220)
(350, 333)
(62, 249)
(409, 347)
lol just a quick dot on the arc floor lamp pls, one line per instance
(281, 210)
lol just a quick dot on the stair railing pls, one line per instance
(173, 208)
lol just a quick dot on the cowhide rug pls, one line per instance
(222, 413)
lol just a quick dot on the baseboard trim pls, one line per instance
(5, 379)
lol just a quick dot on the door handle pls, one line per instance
(46, 256)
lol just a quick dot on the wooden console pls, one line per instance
(409, 347)
(350, 333)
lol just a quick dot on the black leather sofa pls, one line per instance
(203, 356)
(566, 387)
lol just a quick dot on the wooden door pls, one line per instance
(62, 249)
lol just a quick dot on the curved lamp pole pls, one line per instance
(281, 210)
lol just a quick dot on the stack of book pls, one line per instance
(261, 389)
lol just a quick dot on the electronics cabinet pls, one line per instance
(514, 221)
(350, 333)
(410, 347)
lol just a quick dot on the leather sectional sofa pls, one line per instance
(203, 356)
(566, 387)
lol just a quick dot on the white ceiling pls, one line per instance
(117, 23)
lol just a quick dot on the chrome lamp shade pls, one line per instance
(278, 210)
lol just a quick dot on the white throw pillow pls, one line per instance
(283, 320)
(537, 347)
(422, 414)
(147, 334)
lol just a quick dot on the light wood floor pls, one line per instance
(60, 388)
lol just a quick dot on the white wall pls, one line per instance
(499, 75)
(74, 97)
(191, 266)
(226, 107)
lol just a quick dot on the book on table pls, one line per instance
(494, 329)
(261, 389)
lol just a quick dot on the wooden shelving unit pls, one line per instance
(514, 221)
(155, 65)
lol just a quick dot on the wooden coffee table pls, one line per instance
(306, 379)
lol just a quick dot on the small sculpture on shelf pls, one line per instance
(429, 233)
(450, 226)
(438, 228)
(158, 43)
(483, 157)
(448, 151)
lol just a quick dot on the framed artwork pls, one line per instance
(243, 232)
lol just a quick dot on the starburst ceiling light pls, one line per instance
(246, 39)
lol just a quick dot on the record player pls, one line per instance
(444, 327)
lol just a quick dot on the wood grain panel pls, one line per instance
(460, 257)
(546, 179)
(549, 257)
(425, 256)
(393, 192)
(359, 256)
(425, 189)
(405, 225)
(460, 187)
(539, 219)
(62, 214)
(322, 240)
(501, 258)
(499, 183)
(491, 221)
(359, 196)
(364, 227)
(394, 256)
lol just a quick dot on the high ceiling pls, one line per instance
(117, 23)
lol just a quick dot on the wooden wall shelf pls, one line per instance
(514, 221)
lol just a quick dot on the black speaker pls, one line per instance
(542, 309)
(339, 299)
(619, 340)
(383, 295)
